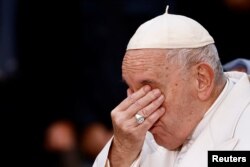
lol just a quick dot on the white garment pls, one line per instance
(225, 126)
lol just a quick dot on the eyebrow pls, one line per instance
(143, 82)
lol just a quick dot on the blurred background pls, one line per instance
(60, 69)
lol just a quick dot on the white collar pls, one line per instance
(199, 128)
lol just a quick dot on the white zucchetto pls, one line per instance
(170, 31)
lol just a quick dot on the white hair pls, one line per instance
(188, 57)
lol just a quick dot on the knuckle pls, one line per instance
(131, 98)
(138, 103)
(113, 114)
(145, 112)
(119, 122)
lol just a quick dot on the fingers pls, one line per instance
(129, 92)
(149, 121)
(133, 97)
(147, 104)
(128, 133)
(144, 102)
(146, 111)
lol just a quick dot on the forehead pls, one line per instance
(144, 59)
(148, 66)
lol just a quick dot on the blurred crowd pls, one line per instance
(60, 69)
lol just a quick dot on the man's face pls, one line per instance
(151, 67)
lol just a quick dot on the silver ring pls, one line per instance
(139, 118)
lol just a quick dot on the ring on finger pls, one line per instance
(139, 118)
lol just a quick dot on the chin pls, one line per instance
(171, 144)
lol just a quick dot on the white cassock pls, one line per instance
(225, 126)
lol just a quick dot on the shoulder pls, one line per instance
(243, 128)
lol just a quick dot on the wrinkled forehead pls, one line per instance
(144, 58)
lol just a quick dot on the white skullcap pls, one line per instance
(170, 31)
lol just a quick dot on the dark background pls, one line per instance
(68, 56)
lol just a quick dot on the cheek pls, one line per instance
(176, 101)
(172, 98)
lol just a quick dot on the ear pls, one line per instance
(205, 80)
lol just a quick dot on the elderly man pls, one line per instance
(180, 104)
